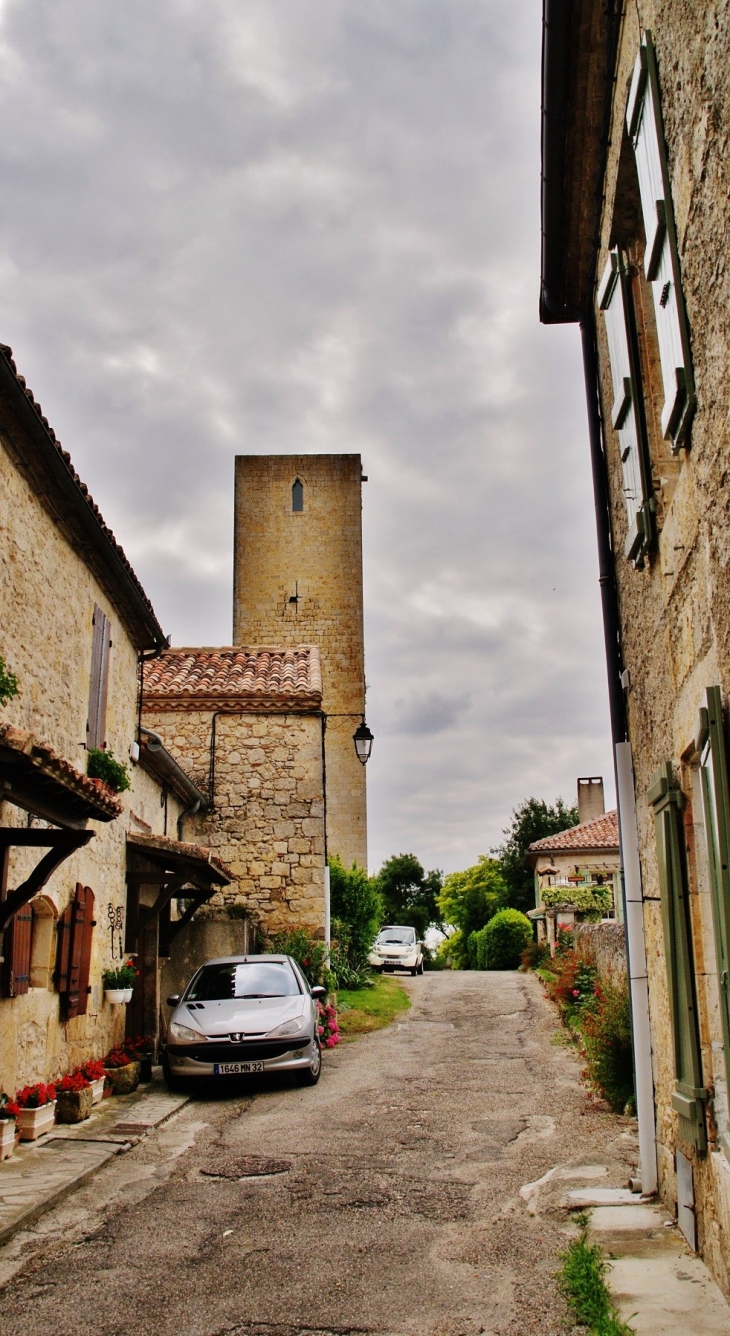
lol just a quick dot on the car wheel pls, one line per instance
(420, 968)
(414, 971)
(309, 1076)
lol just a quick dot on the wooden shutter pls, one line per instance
(716, 797)
(99, 683)
(614, 299)
(75, 928)
(689, 1094)
(16, 949)
(661, 261)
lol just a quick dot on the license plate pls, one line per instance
(236, 1068)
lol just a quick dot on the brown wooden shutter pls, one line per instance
(75, 928)
(89, 924)
(64, 949)
(99, 683)
(17, 953)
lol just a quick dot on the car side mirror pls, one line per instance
(319, 991)
(173, 999)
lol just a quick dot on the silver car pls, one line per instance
(242, 1016)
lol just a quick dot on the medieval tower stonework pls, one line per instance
(298, 581)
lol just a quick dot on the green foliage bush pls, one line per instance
(9, 685)
(592, 901)
(308, 953)
(535, 956)
(468, 900)
(102, 765)
(503, 940)
(356, 903)
(606, 1031)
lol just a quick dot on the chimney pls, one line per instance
(590, 798)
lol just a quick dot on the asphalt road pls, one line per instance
(395, 1208)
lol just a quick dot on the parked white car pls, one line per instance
(397, 948)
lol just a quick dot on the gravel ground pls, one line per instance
(385, 1200)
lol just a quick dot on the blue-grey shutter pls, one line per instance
(614, 299)
(716, 796)
(688, 1098)
(661, 261)
(99, 682)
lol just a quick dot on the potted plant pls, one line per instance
(9, 1111)
(95, 1075)
(102, 766)
(119, 983)
(37, 1110)
(121, 1070)
(141, 1050)
(73, 1098)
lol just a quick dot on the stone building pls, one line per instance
(247, 725)
(570, 862)
(298, 579)
(635, 217)
(75, 624)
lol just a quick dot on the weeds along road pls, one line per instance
(397, 1208)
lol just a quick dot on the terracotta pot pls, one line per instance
(7, 1137)
(73, 1106)
(34, 1123)
(124, 1079)
(97, 1090)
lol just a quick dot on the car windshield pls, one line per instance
(255, 978)
(397, 936)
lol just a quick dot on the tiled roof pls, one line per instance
(600, 833)
(57, 781)
(179, 851)
(270, 677)
(45, 486)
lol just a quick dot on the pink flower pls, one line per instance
(330, 1043)
(576, 992)
(320, 1029)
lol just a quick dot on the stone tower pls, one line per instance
(297, 579)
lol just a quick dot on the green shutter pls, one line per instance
(689, 1094)
(716, 796)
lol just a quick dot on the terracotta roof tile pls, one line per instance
(600, 833)
(270, 676)
(180, 850)
(42, 760)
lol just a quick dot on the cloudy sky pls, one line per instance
(235, 226)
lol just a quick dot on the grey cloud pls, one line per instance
(311, 225)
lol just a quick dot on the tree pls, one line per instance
(467, 901)
(356, 904)
(410, 895)
(532, 820)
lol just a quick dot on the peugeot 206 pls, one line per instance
(243, 1016)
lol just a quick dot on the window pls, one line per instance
(73, 960)
(661, 259)
(99, 684)
(716, 800)
(297, 496)
(689, 1094)
(614, 299)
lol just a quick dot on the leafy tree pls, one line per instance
(468, 900)
(355, 903)
(410, 895)
(532, 820)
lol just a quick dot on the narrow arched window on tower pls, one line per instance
(297, 496)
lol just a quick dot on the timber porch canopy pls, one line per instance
(40, 782)
(180, 871)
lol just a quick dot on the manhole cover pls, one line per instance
(244, 1166)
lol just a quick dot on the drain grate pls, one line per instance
(243, 1166)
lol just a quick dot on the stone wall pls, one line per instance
(47, 595)
(674, 612)
(604, 944)
(315, 557)
(268, 819)
(203, 939)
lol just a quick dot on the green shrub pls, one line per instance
(606, 1029)
(355, 902)
(345, 974)
(505, 938)
(9, 685)
(592, 901)
(308, 953)
(102, 765)
(535, 956)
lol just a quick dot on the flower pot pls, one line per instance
(124, 1079)
(127, 994)
(7, 1138)
(73, 1106)
(117, 995)
(34, 1123)
(97, 1090)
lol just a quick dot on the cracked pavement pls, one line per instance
(385, 1200)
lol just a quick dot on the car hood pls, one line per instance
(249, 1016)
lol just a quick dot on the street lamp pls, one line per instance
(363, 740)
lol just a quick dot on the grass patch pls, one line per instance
(366, 1009)
(582, 1280)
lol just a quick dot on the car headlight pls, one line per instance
(294, 1026)
(183, 1032)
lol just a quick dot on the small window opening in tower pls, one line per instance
(297, 496)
